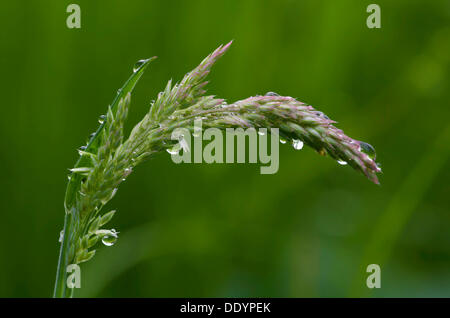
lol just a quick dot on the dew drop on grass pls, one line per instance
(367, 149)
(110, 239)
(342, 162)
(283, 141)
(321, 114)
(138, 65)
(175, 150)
(297, 144)
(61, 236)
(101, 119)
(261, 133)
(379, 166)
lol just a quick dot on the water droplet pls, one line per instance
(272, 94)
(110, 238)
(342, 162)
(261, 133)
(138, 65)
(101, 119)
(127, 172)
(283, 141)
(81, 150)
(61, 236)
(367, 149)
(320, 114)
(174, 150)
(379, 166)
(297, 144)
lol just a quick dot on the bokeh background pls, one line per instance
(225, 230)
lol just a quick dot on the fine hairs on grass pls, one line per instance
(109, 158)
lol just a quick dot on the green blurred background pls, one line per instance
(226, 230)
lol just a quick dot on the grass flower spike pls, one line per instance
(109, 158)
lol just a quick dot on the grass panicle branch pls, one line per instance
(108, 158)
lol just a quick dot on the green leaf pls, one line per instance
(86, 256)
(92, 241)
(107, 217)
(94, 225)
(93, 144)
